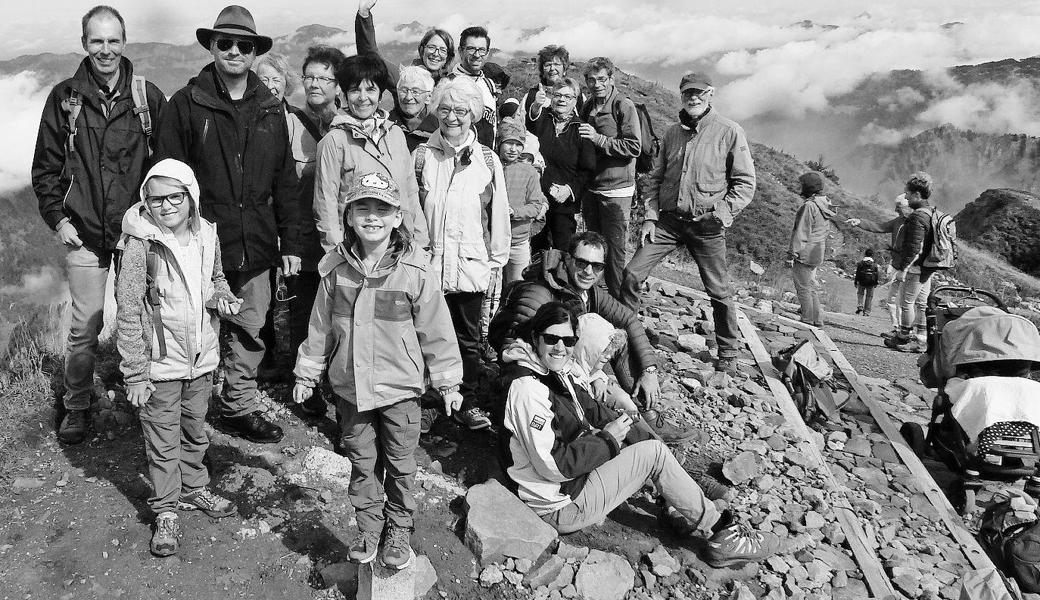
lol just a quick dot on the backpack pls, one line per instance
(1010, 534)
(810, 381)
(138, 91)
(944, 241)
(867, 273)
(649, 143)
(152, 296)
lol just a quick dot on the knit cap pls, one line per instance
(511, 129)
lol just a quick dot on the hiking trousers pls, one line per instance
(87, 272)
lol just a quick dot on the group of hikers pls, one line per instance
(417, 243)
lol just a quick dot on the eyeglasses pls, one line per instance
(582, 264)
(269, 80)
(600, 79)
(567, 97)
(438, 50)
(552, 340)
(695, 93)
(175, 199)
(475, 51)
(411, 92)
(244, 46)
(318, 80)
(444, 111)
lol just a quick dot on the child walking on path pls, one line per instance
(379, 325)
(170, 286)
(866, 280)
(527, 203)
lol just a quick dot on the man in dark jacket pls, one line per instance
(228, 127)
(914, 278)
(91, 154)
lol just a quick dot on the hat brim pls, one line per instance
(695, 85)
(205, 34)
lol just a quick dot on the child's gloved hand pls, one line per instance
(139, 393)
(301, 392)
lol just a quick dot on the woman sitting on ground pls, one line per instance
(572, 460)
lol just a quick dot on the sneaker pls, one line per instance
(897, 340)
(253, 427)
(914, 345)
(213, 505)
(164, 537)
(668, 433)
(397, 551)
(363, 549)
(315, 406)
(859, 310)
(474, 418)
(738, 544)
(427, 417)
(712, 488)
(866, 313)
(73, 428)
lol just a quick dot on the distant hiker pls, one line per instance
(866, 280)
(893, 227)
(474, 48)
(702, 178)
(527, 203)
(573, 460)
(381, 330)
(92, 151)
(808, 244)
(915, 278)
(229, 128)
(169, 292)
(611, 123)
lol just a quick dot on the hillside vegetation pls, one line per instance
(1006, 223)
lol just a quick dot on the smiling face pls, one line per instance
(552, 71)
(600, 83)
(455, 118)
(161, 197)
(274, 80)
(564, 99)
(434, 54)
(372, 220)
(233, 62)
(363, 100)
(696, 101)
(510, 150)
(474, 53)
(556, 355)
(320, 85)
(585, 266)
(412, 98)
(103, 42)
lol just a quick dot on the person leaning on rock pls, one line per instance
(92, 151)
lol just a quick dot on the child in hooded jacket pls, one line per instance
(169, 292)
(527, 203)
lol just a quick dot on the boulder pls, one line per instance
(743, 467)
(661, 563)
(425, 575)
(500, 526)
(604, 576)
(545, 573)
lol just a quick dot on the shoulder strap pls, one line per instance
(139, 90)
(153, 297)
(489, 160)
(308, 123)
(72, 107)
(420, 162)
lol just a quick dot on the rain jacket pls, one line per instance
(190, 329)
(94, 185)
(378, 335)
(553, 433)
(809, 237)
(467, 212)
(346, 153)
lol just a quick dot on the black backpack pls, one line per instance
(1010, 534)
(867, 273)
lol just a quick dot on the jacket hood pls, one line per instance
(595, 335)
(824, 205)
(520, 352)
(138, 220)
(550, 268)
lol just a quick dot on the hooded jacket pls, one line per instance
(570, 159)
(546, 280)
(94, 185)
(240, 153)
(190, 329)
(378, 335)
(809, 237)
(345, 154)
(467, 212)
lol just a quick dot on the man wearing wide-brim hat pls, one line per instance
(228, 127)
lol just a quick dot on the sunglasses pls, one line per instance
(175, 199)
(582, 264)
(552, 340)
(244, 46)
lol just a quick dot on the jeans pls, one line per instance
(895, 290)
(380, 445)
(618, 479)
(864, 298)
(175, 441)
(913, 297)
(609, 217)
(559, 228)
(465, 311)
(87, 272)
(706, 242)
(807, 286)
(246, 347)
(519, 258)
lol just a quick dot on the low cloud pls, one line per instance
(21, 103)
(988, 108)
(41, 287)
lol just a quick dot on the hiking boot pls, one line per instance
(364, 547)
(474, 418)
(737, 544)
(668, 433)
(672, 520)
(713, 489)
(164, 537)
(914, 345)
(73, 428)
(253, 427)
(397, 551)
(315, 406)
(213, 505)
(727, 364)
(900, 338)
(866, 313)
(427, 417)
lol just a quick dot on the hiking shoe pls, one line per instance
(866, 313)
(253, 427)
(73, 428)
(213, 505)
(669, 434)
(672, 520)
(859, 310)
(397, 550)
(914, 345)
(427, 417)
(364, 547)
(164, 537)
(713, 489)
(315, 406)
(726, 364)
(738, 544)
(474, 418)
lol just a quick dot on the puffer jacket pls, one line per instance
(379, 335)
(705, 169)
(553, 434)
(917, 240)
(190, 329)
(94, 185)
(809, 237)
(467, 212)
(239, 151)
(345, 154)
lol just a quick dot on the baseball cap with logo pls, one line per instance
(377, 186)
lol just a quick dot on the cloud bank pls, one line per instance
(21, 103)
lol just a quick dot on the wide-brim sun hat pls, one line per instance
(238, 21)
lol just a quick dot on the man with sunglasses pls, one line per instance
(232, 131)
(91, 155)
(701, 179)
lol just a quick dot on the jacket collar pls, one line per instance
(348, 122)
(823, 204)
(85, 83)
(209, 91)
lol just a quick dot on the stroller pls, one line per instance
(986, 415)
